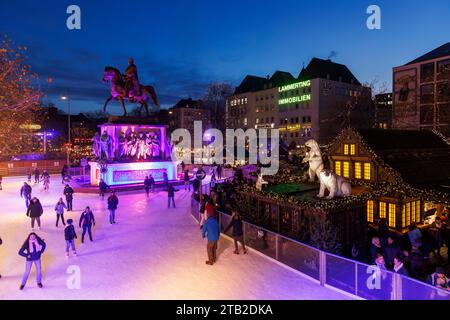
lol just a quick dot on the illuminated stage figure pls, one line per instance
(132, 151)
(141, 147)
(122, 145)
(106, 146)
(96, 145)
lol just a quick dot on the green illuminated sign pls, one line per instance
(297, 99)
(294, 86)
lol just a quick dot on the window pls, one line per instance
(352, 149)
(358, 171)
(413, 211)
(346, 149)
(367, 171)
(346, 169)
(404, 216)
(417, 211)
(338, 167)
(392, 215)
(370, 211)
(382, 209)
(408, 215)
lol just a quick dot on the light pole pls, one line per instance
(67, 97)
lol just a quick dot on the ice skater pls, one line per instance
(187, 182)
(25, 192)
(64, 173)
(29, 176)
(86, 221)
(211, 229)
(102, 187)
(35, 212)
(70, 235)
(68, 192)
(238, 232)
(170, 195)
(149, 184)
(46, 181)
(59, 209)
(32, 249)
(113, 202)
(37, 174)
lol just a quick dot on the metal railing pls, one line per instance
(356, 278)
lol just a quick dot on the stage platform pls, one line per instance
(129, 173)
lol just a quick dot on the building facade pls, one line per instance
(383, 111)
(186, 112)
(324, 98)
(421, 91)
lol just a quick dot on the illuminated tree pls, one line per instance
(18, 99)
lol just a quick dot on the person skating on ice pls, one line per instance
(68, 192)
(86, 221)
(35, 212)
(113, 202)
(32, 249)
(70, 235)
(59, 209)
(102, 187)
(25, 192)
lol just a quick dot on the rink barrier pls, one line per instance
(329, 270)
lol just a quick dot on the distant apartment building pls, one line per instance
(421, 90)
(383, 111)
(186, 112)
(324, 98)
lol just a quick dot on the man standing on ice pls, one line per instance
(212, 229)
(86, 221)
(113, 202)
(25, 192)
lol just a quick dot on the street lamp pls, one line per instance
(67, 97)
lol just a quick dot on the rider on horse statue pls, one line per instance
(132, 85)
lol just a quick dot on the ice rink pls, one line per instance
(151, 253)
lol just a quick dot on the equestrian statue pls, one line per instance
(127, 87)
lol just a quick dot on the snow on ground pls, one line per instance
(152, 253)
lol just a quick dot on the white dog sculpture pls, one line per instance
(336, 185)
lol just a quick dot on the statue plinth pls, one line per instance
(132, 120)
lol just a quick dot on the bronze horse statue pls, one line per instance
(118, 91)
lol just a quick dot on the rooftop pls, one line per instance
(442, 51)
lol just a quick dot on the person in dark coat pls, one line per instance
(113, 202)
(35, 212)
(68, 192)
(383, 232)
(32, 249)
(238, 231)
(187, 183)
(196, 186)
(37, 175)
(25, 192)
(165, 179)
(86, 221)
(375, 249)
(70, 235)
(391, 251)
(170, 195)
(64, 171)
(416, 263)
(211, 228)
(1, 180)
(149, 184)
(399, 266)
(102, 186)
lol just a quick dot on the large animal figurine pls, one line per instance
(314, 158)
(337, 186)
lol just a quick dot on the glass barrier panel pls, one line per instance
(341, 273)
(299, 257)
(225, 220)
(415, 290)
(261, 240)
(374, 283)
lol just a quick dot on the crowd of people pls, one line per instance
(416, 255)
